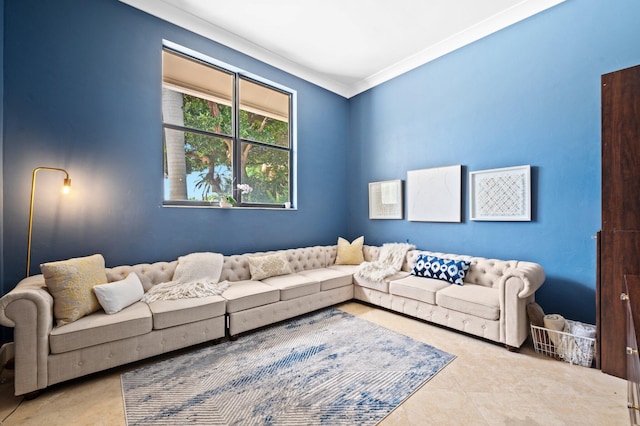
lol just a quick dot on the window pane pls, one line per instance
(196, 95)
(266, 170)
(197, 167)
(264, 114)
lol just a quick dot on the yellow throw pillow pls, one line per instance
(271, 265)
(71, 282)
(350, 254)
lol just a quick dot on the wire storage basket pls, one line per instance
(578, 350)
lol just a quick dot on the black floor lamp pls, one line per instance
(66, 188)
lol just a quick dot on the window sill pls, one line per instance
(214, 206)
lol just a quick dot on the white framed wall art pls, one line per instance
(385, 199)
(435, 194)
(500, 194)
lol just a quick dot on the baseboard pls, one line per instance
(7, 352)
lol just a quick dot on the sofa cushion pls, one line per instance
(100, 327)
(71, 282)
(450, 270)
(117, 295)
(293, 286)
(347, 269)
(383, 285)
(350, 253)
(417, 288)
(247, 294)
(329, 278)
(269, 265)
(476, 300)
(169, 313)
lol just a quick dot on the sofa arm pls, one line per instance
(29, 309)
(531, 277)
(517, 288)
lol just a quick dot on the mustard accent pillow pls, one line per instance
(350, 253)
(271, 265)
(71, 282)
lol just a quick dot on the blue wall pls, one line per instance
(82, 92)
(529, 94)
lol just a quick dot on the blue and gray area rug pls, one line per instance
(328, 367)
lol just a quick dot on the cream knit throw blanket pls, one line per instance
(389, 262)
(196, 275)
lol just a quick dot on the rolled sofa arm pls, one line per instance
(531, 274)
(31, 288)
(518, 284)
(28, 308)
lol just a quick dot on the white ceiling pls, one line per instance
(346, 46)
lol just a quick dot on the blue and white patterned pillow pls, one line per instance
(439, 268)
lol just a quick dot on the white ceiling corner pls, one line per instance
(345, 46)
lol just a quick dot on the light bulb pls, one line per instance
(67, 186)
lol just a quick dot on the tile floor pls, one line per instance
(484, 385)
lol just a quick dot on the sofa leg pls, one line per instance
(233, 338)
(511, 348)
(31, 395)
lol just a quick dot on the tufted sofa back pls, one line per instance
(485, 272)
(236, 267)
(488, 272)
(150, 274)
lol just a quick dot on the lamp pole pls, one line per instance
(66, 188)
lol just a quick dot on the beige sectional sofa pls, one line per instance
(491, 304)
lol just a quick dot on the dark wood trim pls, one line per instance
(619, 245)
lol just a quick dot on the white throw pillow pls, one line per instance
(116, 296)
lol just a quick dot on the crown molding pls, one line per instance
(179, 17)
(170, 13)
(508, 17)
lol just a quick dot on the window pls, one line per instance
(225, 134)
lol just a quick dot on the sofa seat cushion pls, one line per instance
(169, 313)
(417, 288)
(350, 269)
(100, 327)
(292, 286)
(247, 294)
(329, 278)
(476, 300)
(383, 285)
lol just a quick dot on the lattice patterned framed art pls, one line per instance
(385, 199)
(500, 194)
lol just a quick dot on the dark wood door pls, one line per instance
(620, 235)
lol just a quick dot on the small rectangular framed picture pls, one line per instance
(385, 199)
(500, 194)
